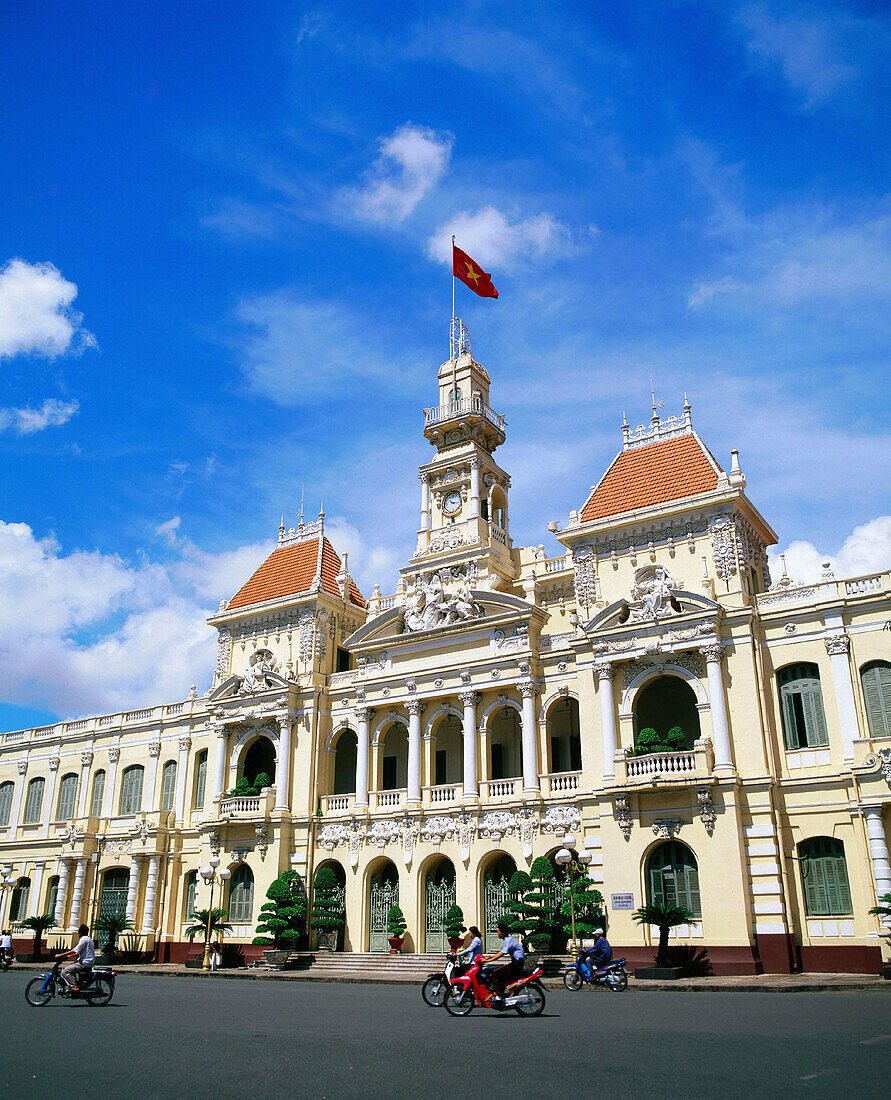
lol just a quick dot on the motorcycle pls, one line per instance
(613, 975)
(6, 959)
(525, 996)
(436, 986)
(96, 986)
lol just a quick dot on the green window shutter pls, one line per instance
(98, 794)
(200, 779)
(168, 785)
(824, 873)
(6, 791)
(34, 801)
(657, 894)
(790, 729)
(876, 682)
(67, 796)
(691, 890)
(131, 790)
(815, 901)
(814, 718)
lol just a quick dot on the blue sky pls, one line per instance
(223, 275)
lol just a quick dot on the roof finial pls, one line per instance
(281, 530)
(300, 517)
(656, 404)
(625, 429)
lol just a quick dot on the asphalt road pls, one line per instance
(217, 1038)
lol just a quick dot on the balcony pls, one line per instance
(386, 800)
(492, 789)
(248, 806)
(561, 783)
(443, 794)
(333, 804)
(468, 406)
(665, 768)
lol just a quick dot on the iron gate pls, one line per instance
(440, 898)
(112, 903)
(496, 896)
(383, 895)
(338, 898)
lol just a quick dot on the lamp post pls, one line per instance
(573, 863)
(212, 876)
(7, 884)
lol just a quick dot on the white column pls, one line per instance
(77, 895)
(469, 700)
(283, 771)
(148, 795)
(86, 763)
(363, 715)
(36, 888)
(713, 655)
(220, 761)
(62, 892)
(17, 799)
(151, 893)
(415, 709)
(474, 488)
(837, 647)
(530, 751)
(182, 766)
(425, 502)
(605, 672)
(878, 853)
(49, 809)
(133, 887)
(114, 755)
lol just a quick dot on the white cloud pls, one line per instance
(805, 48)
(866, 550)
(494, 242)
(411, 162)
(167, 531)
(35, 312)
(368, 565)
(26, 420)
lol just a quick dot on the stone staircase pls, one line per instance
(403, 967)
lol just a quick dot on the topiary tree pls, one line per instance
(675, 739)
(588, 903)
(538, 910)
(647, 741)
(454, 922)
(520, 884)
(283, 917)
(262, 780)
(327, 904)
(396, 925)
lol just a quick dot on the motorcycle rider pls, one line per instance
(601, 954)
(474, 948)
(5, 944)
(84, 952)
(502, 976)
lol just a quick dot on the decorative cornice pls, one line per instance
(712, 653)
(837, 644)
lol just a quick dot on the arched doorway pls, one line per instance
(394, 758)
(259, 760)
(383, 891)
(344, 777)
(113, 899)
(338, 898)
(505, 759)
(667, 702)
(439, 897)
(448, 760)
(496, 895)
(564, 739)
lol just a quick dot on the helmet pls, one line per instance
(598, 932)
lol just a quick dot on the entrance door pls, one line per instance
(384, 893)
(113, 902)
(496, 896)
(440, 898)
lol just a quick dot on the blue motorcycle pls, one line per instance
(613, 975)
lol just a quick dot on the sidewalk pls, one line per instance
(762, 983)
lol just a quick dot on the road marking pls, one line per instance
(822, 1073)
(876, 1039)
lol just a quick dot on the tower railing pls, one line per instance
(464, 407)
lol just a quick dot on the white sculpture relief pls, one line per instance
(623, 817)
(689, 661)
(528, 826)
(653, 593)
(116, 848)
(307, 636)
(517, 639)
(707, 813)
(438, 829)
(496, 824)
(885, 758)
(142, 829)
(836, 644)
(330, 836)
(466, 830)
(560, 820)
(409, 839)
(224, 649)
(72, 835)
(262, 833)
(262, 662)
(322, 635)
(441, 598)
(724, 546)
(383, 833)
(439, 543)
(667, 828)
(583, 572)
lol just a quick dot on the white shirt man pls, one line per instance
(84, 954)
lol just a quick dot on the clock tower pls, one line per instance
(464, 492)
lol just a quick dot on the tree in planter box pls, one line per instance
(327, 905)
(454, 923)
(537, 913)
(283, 917)
(396, 925)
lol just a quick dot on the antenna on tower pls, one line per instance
(656, 404)
(300, 517)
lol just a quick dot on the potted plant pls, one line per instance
(282, 918)
(37, 925)
(327, 910)
(396, 927)
(454, 926)
(210, 924)
(883, 910)
(665, 917)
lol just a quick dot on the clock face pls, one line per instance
(451, 503)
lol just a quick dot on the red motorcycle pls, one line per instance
(525, 995)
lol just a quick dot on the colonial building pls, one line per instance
(425, 744)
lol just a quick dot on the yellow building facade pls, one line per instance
(426, 744)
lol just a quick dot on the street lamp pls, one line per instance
(7, 884)
(212, 876)
(573, 863)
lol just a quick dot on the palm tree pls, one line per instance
(883, 909)
(215, 927)
(665, 917)
(38, 925)
(113, 924)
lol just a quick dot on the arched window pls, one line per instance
(824, 874)
(200, 779)
(67, 797)
(18, 904)
(394, 758)
(241, 895)
(673, 877)
(191, 892)
(345, 763)
(801, 705)
(6, 791)
(98, 794)
(564, 741)
(875, 678)
(34, 801)
(504, 744)
(51, 895)
(168, 785)
(131, 790)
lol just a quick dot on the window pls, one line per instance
(441, 765)
(824, 874)
(343, 660)
(801, 704)
(34, 801)
(673, 877)
(191, 893)
(875, 678)
(168, 785)
(241, 895)
(6, 790)
(18, 905)
(52, 895)
(131, 790)
(200, 778)
(67, 797)
(98, 794)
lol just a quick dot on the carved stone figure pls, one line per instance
(653, 588)
(255, 679)
(441, 598)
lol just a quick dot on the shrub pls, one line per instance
(283, 917)
(647, 741)
(396, 925)
(537, 918)
(675, 738)
(327, 905)
(262, 780)
(454, 922)
(588, 903)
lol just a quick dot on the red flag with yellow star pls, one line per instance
(471, 274)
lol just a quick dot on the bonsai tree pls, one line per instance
(112, 924)
(262, 780)
(665, 917)
(648, 741)
(37, 925)
(396, 925)
(218, 924)
(587, 901)
(520, 884)
(537, 911)
(454, 922)
(283, 917)
(675, 739)
(327, 904)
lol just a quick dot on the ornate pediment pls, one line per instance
(653, 601)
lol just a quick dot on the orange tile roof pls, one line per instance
(653, 474)
(290, 570)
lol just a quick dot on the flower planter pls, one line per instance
(276, 959)
(455, 942)
(396, 943)
(327, 941)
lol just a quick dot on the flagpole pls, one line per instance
(453, 276)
